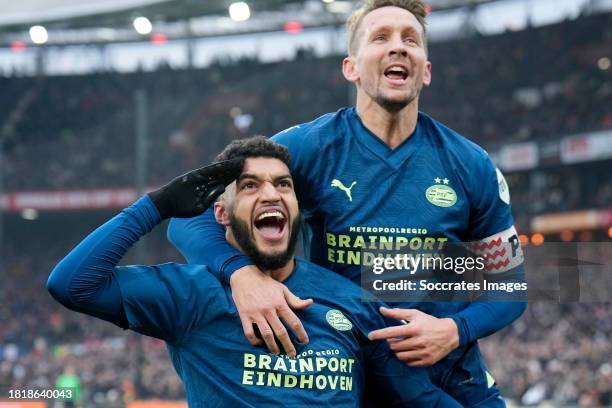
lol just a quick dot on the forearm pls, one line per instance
(201, 240)
(83, 281)
(492, 311)
(401, 386)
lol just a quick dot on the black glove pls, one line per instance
(192, 193)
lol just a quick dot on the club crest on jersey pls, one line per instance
(338, 320)
(347, 190)
(441, 194)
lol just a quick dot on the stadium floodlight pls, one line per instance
(239, 11)
(142, 25)
(39, 34)
(328, 1)
(604, 63)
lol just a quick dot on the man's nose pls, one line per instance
(269, 192)
(397, 47)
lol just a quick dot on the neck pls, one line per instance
(282, 273)
(393, 128)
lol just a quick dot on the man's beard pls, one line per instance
(264, 262)
(393, 106)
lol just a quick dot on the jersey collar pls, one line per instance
(393, 157)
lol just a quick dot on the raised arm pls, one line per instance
(86, 281)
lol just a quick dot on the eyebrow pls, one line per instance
(411, 29)
(256, 177)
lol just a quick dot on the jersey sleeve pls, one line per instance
(201, 240)
(83, 280)
(151, 300)
(167, 301)
(304, 153)
(492, 236)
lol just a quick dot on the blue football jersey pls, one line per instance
(359, 197)
(187, 307)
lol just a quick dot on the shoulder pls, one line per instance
(168, 300)
(322, 129)
(469, 161)
(452, 141)
(176, 279)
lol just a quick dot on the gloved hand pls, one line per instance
(192, 193)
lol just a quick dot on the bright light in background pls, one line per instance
(537, 239)
(38, 34)
(18, 46)
(604, 63)
(142, 25)
(328, 1)
(29, 214)
(239, 11)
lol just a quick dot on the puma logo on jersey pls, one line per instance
(337, 183)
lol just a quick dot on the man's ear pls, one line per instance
(427, 74)
(349, 69)
(221, 214)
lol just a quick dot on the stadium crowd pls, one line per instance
(77, 132)
(535, 84)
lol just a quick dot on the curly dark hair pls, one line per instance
(256, 146)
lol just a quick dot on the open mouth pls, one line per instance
(396, 72)
(271, 224)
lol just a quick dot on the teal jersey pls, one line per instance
(188, 308)
(360, 198)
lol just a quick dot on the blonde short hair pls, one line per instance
(416, 7)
